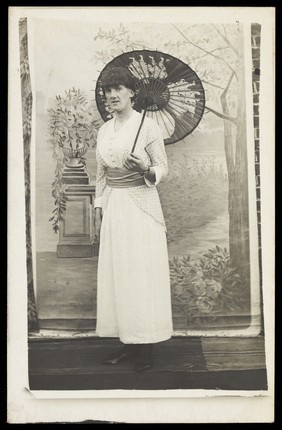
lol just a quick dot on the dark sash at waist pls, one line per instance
(123, 178)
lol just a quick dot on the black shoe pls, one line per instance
(144, 360)
(127, 351)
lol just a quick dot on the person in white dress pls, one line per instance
(133, 291)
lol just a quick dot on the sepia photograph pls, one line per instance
(140, 169)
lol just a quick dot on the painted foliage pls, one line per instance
(205, 196)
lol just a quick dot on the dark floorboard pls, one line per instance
(179, 363)
(226, 380)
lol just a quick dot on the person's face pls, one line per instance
(119, 97)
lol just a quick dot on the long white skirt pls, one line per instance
(133, 297)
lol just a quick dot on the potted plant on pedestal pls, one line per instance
(72, 130)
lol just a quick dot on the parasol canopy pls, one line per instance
(168, 91)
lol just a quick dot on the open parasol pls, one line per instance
(168, 91)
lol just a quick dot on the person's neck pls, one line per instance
(124, 115)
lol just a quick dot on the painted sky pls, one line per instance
(66, 55)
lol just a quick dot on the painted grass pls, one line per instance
(194, 193)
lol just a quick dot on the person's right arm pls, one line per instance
(97, 223)
(99, 189)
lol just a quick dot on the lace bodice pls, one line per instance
(112, 149)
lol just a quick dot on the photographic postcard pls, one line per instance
(213, 71)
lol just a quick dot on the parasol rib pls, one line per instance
(182, 74)
(177, 123)
(190, 120)
(178, 65)
(184, 131)
(189, 106)
(173, 85)
(132, 64)
(144, 74)
(171, 101)
(168, 91)
(165, 124)
(155, 81)
(148, 70)
(186, 97)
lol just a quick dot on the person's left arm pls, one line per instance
(158, 167)
(156, 151)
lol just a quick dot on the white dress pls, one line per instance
(133, 294)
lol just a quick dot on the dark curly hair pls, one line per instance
(117, 76)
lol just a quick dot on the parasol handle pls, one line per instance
(142, 120)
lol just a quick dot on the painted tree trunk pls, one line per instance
(237, 173)
(26, 122)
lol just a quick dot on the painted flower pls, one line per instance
(199, 273)
(213, 288)
(204, 304)
(198, 286)
(178, 290)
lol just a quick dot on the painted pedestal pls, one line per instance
(77, 229)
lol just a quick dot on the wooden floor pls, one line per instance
(180, 363)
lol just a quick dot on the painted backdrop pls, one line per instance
(205, 196)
